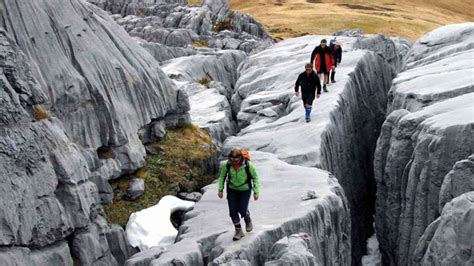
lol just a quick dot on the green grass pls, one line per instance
(173, 172)
(203, 80)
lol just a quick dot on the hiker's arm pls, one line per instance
(312, 56)
(318, 85)
(222, 177)
(256, 181)
(297, 83)
(339, 58)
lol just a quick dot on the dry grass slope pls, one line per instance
(409, 19)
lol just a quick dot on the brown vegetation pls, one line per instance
(40, 113)
(410, 19)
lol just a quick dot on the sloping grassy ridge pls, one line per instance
(187, 161)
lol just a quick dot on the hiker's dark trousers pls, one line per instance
(238, 204)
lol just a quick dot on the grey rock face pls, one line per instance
(119, 246)
(358, 32)
(46, 192)
(129, 7)
(162, 52)
(103, 86)
(294, 250)
(145, 258)
(391, 50)
(458, 181)
(98, 88)
(57, 254)
(448, 240)
(428, 131)
(194, 196)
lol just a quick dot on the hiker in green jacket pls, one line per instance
(240, 174)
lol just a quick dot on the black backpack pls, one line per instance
(247, 171)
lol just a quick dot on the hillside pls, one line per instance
(410, 19)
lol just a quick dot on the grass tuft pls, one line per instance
(225, 24)
(40, 113)
(194, 2)
(200, 43)
(203, 80)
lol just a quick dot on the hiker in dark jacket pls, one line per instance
(337, 53)
(322, 59)
(236, 172)
(310, 87)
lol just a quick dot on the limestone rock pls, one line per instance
(448, 240)
(97, 67)
(429, 130)
(458, 181)
(294, 250)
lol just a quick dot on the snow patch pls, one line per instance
(152, 227)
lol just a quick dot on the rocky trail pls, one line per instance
(390, 144)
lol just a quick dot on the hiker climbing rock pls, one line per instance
(240, 175)
(309, 81)
(323, 59)
(336, 49)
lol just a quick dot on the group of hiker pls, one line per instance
(324, 60)
(238, 173)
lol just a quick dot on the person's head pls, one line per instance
(337, 44)
(323, 43)
(308, 68)
(235, 155)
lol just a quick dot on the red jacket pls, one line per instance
(316, 58)
(329, 62)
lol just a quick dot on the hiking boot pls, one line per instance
(324, 88)
(249, 225)
(307, 121)
(238, 234)
(333, 81)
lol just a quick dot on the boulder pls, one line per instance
(136, 188)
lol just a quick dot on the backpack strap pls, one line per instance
(249, 174)
(227, 175)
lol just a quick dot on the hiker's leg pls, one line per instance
(244, 203)
(232, 201)
(333, 74)
(307, 109)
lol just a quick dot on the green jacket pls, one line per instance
(237, 179)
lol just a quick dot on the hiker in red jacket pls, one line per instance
(323, 60)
